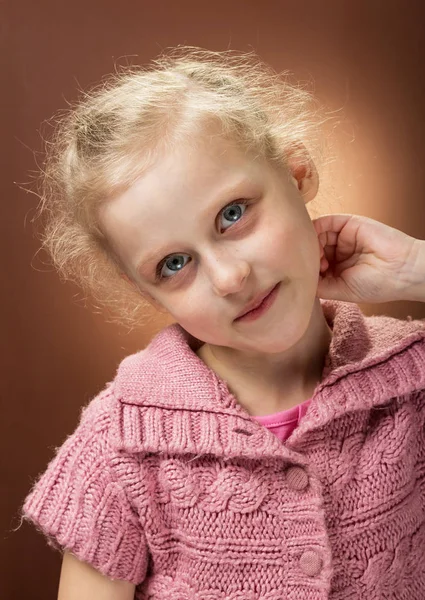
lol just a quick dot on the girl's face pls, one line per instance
(206, 229)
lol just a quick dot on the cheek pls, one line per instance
(277, 243)
(193, 309)
(293, 248)
(203, 323)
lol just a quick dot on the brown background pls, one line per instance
(367, 57)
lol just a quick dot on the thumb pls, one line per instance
(328, 288)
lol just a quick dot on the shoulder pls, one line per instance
(86, 451)
(97, 415)
(80, 503)
(91, 437)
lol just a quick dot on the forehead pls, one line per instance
(184, 168)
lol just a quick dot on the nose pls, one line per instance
(227, 273)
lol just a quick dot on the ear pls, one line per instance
(150, 299)
(302, 170)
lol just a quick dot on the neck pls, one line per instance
(268, 383)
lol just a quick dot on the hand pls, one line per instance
(363, 260)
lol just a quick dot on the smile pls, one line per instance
(267, 302)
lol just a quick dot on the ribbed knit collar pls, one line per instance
(170, 401)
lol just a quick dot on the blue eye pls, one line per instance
(234, 211)
(174, 262)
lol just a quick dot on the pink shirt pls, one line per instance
(283, 423)
(167, 482)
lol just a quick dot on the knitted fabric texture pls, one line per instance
(169, 483)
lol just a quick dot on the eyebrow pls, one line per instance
(153, 255)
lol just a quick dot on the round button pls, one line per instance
(311, 563)
(297, 478)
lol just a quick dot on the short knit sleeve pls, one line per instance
(80, 506)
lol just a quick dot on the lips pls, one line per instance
(255, 302)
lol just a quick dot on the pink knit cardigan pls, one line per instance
(169, 483)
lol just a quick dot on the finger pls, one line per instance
(330, 238)
(333, 223)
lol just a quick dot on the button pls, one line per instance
(297, 478)
(311, 563)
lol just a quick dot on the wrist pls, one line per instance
(415, 291)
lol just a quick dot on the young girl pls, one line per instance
(269, 444)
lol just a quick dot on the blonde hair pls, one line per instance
(106, 140)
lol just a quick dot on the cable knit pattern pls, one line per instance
(169, 483)
(80, 504)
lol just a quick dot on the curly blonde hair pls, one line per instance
(108, 138)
